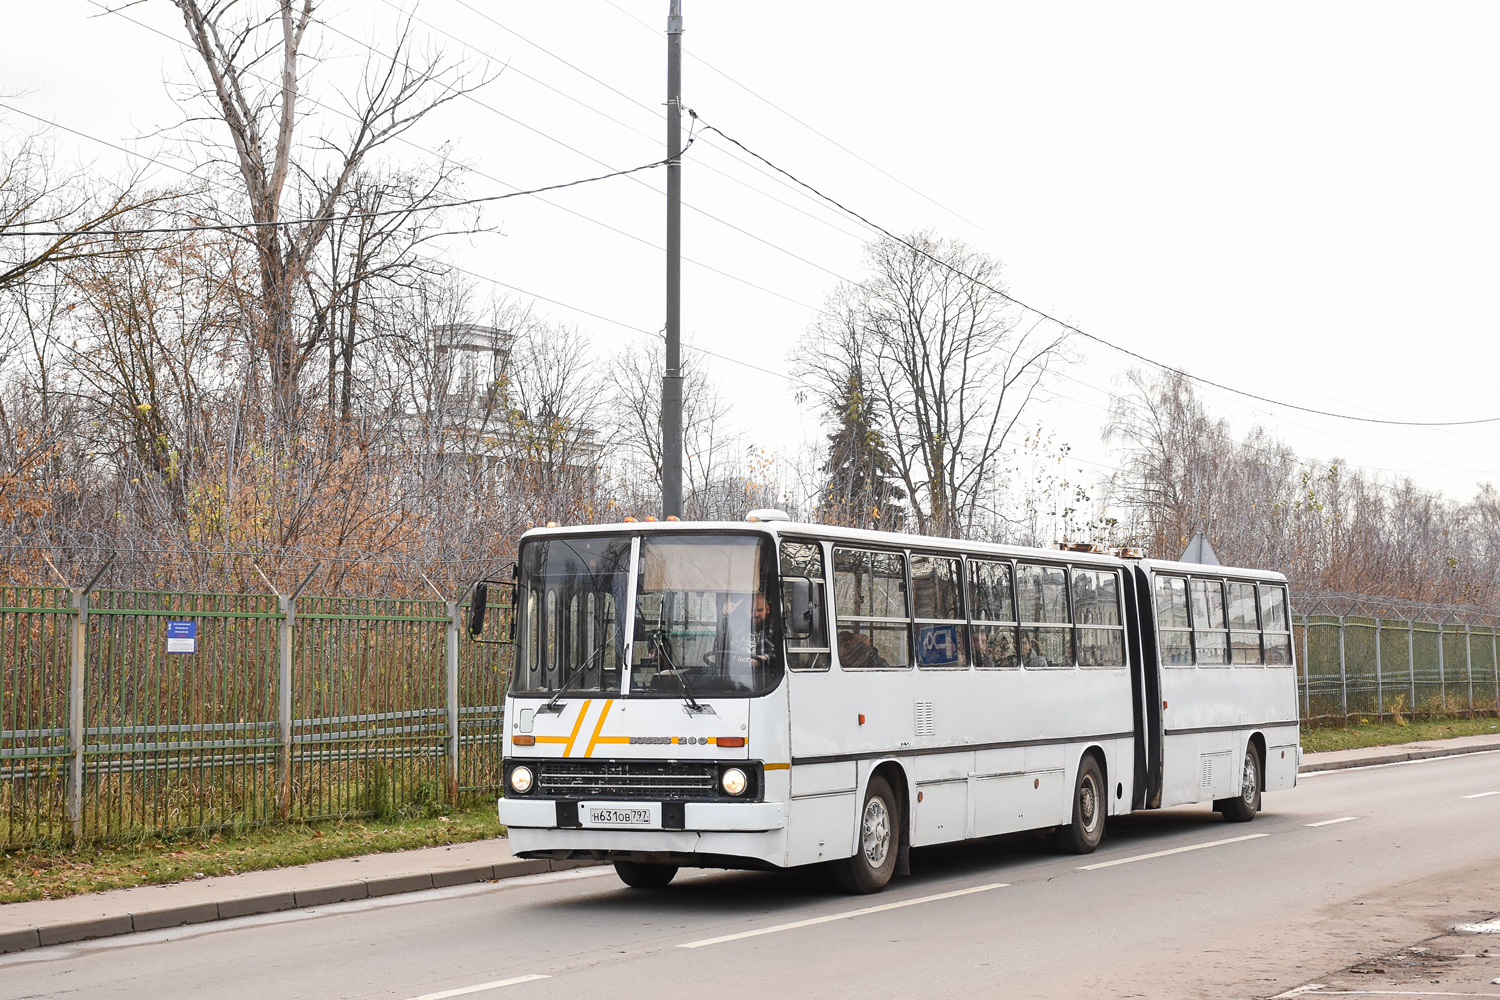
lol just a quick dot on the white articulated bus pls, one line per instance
(769, 694)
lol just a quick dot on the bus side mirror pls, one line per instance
(476, 609)
(804, 614)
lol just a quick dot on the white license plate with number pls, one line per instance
(620, 815)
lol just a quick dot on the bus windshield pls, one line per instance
(704, 623)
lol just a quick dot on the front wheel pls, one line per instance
(1243, 807)
(644, 876)
(1083, 834)
(874, 860)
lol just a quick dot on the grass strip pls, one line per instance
(53, 873)
(1374, 733)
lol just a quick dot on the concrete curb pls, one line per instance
(245, 906)
(1393, 757)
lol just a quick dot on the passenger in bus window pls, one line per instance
(856, 650)
(994, 646)
(1031, 658)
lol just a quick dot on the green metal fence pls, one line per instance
(388, 705)
(1365, 657)
(300, 708)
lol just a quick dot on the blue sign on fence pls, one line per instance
(182, 637)
(937, 646)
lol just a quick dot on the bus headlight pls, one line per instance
(520, 779)
(734, 781)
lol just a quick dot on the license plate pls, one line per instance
(615, 816)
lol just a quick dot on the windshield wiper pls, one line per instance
(664, 650)
(578, 668)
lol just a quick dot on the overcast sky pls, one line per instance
(1295, 199)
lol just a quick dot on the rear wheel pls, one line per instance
(874, 860)
(1243, 807)
(1083, 834)
(643, 876)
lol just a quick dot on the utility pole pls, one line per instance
(671, 383)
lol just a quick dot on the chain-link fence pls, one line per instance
(124, 712)
(1372, 657)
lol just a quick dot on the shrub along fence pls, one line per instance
(291, 707)
(113, 722)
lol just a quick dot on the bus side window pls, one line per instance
(1273, 620)
(1244, 640)
(1210, 630)
(1046, 626)
(1175, 638)
(871, 609)
(937, 606)
(1096, 612)
(993, 614)
(804, 561)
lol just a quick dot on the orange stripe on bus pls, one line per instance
(568, 752)
(602, 716)
(777, 767)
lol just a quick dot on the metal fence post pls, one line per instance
(1411, 665)
(1379, 685)
(77, 678)
(1343, 673)
(1442, 668)
(451, 662)
(1469, 664)
(284, 696)
(1306, 672)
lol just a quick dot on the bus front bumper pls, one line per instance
(543, 814)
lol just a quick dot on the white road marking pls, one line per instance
(466, 990)
(1330, 822)
(1298, 991)
(1376, 993)
(840, 916)
(1480, 795)
(1175, 850)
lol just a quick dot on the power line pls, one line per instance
(408, 210)
(587, 218)
(1170, 369)
(810, 128)
(510, 67)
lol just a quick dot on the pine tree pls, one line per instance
(860, 486)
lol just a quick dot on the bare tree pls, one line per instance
(947, 368)
(35, 195)
(267, 120)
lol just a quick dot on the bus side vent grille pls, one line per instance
(1208, 772)
(926, 723)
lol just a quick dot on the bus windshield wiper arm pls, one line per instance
(578, 669)
(659, 640)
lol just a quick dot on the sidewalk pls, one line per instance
(153, 907)
(1333, 760)
(123, 911)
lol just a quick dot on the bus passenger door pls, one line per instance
(1145, 683)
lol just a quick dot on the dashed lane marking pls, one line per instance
(482, 987)
(1330, 822)
(841, 916)
(1175, 850)
(1480, 795)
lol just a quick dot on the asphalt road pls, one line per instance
(1348, 866)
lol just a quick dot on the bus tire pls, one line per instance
(874, 860)
(638, 875)
(1243, 807)
(1083, 834)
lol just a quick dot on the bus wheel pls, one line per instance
(1243, 807)
(874, 858)
(1083, 834)
(644, 876)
